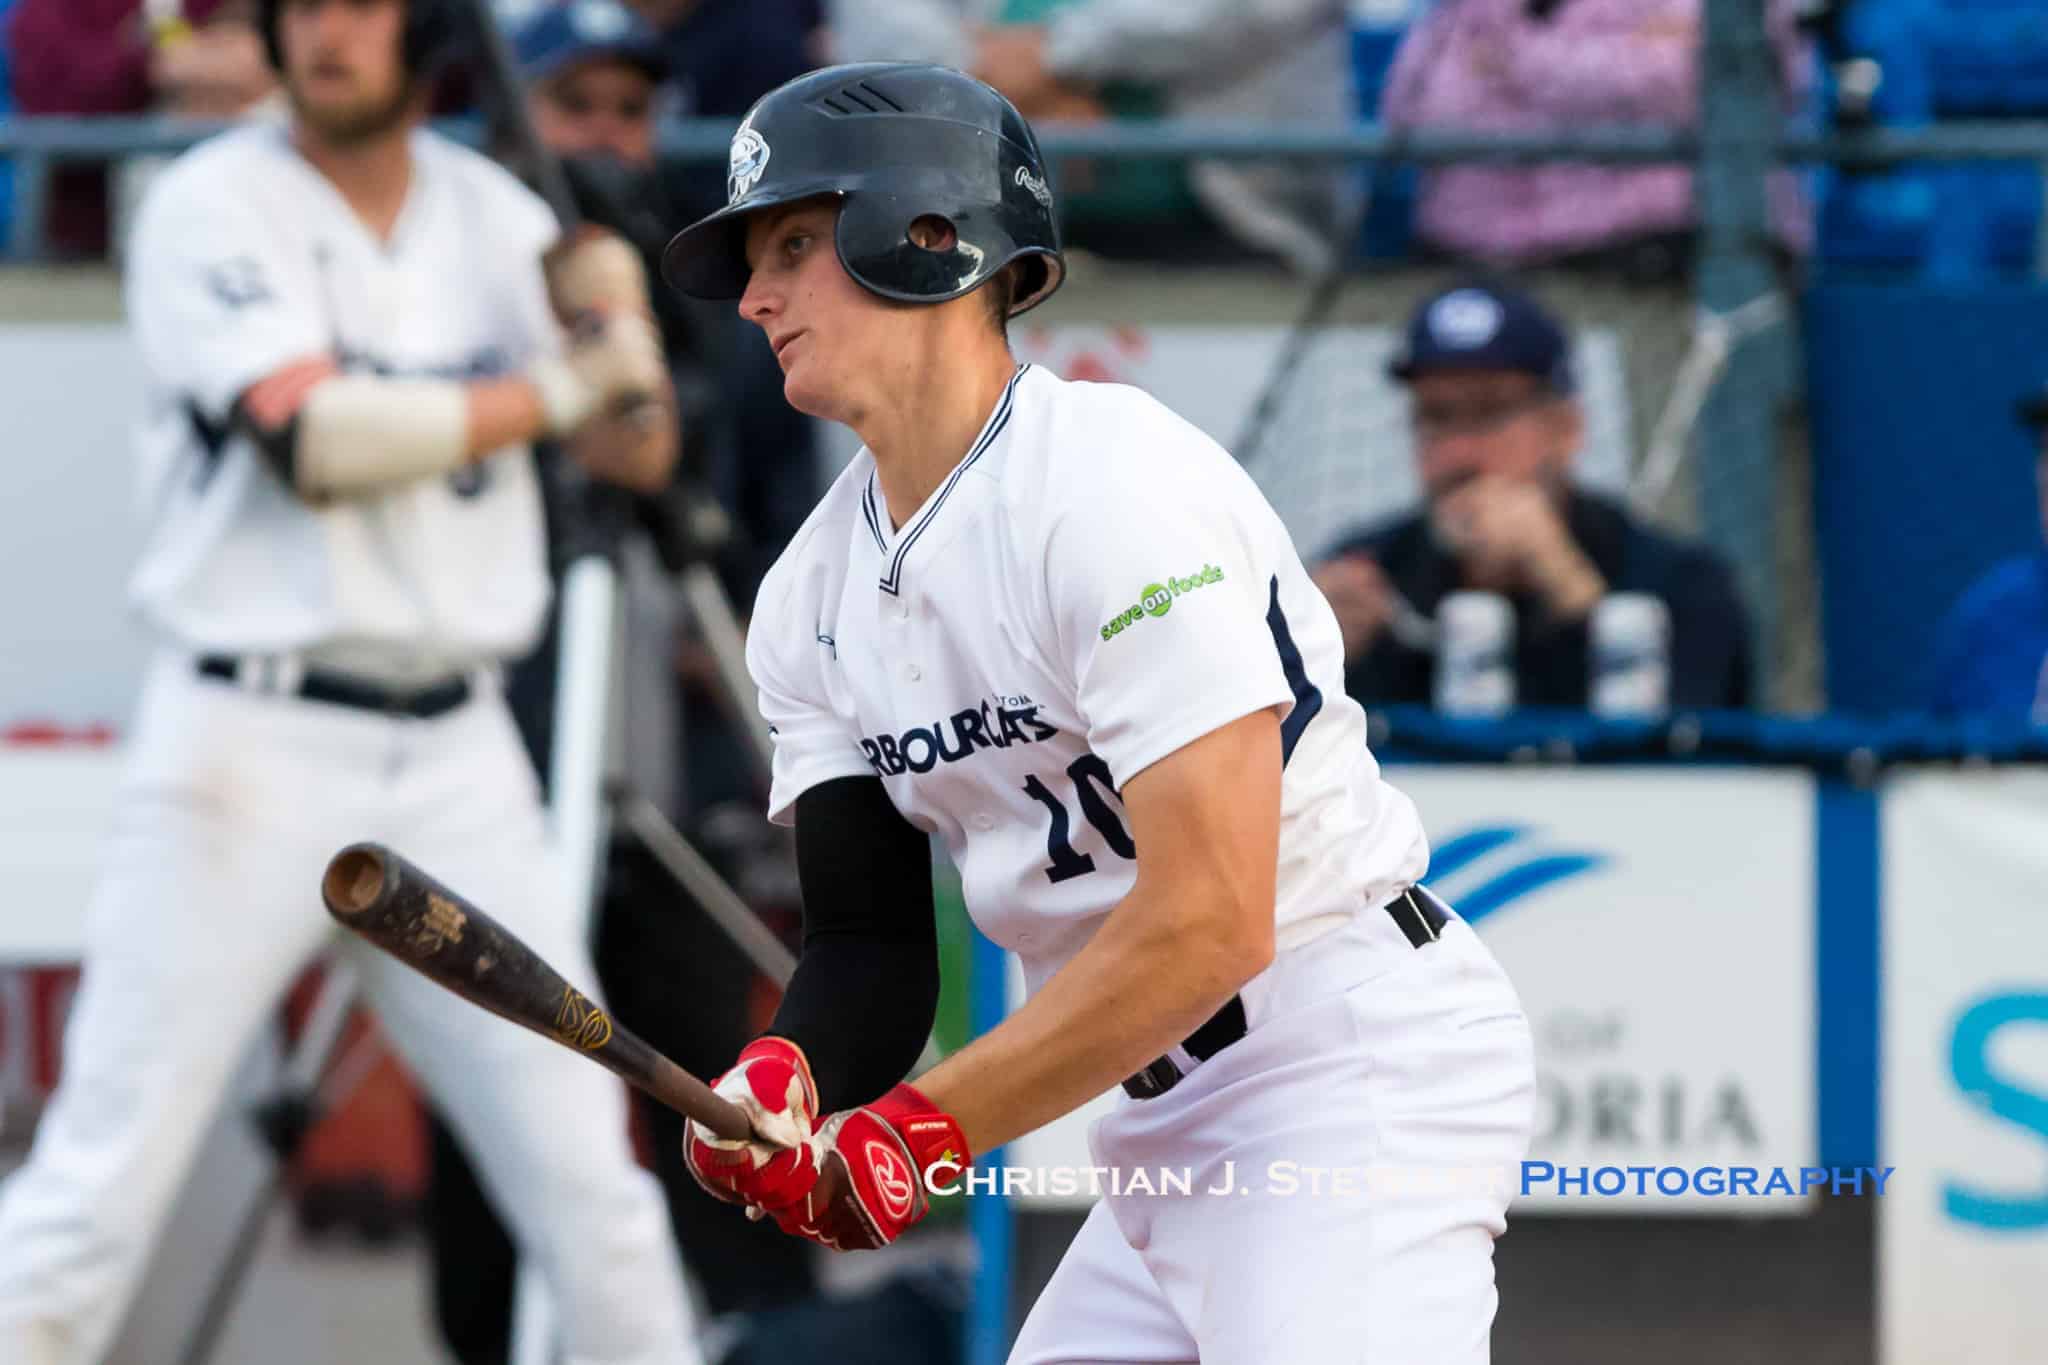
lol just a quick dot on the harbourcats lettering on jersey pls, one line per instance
(996, 723)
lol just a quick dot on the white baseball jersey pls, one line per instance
(244, 259)
(1094, 586)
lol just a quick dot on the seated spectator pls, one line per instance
(1530, 66)
(1225, 60)
(198, 58)
(1496, 427)
(1991, 651)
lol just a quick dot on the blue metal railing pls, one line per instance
(36, 144)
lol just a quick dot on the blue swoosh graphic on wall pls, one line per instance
(1522, 880)
(1453, 854)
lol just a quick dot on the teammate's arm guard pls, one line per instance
(330, 435)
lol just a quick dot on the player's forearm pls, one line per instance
(359, 435)
(503, 412)
(1153, 974)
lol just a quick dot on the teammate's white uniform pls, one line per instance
(238, 790)
(1096, 585)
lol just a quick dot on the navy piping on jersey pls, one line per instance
(1308, 698)
(867, 509)
(893, 579)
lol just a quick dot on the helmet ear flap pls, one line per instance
(878, 241)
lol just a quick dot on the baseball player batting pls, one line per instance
(350, 349)
(1056, 626)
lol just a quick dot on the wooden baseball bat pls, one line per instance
(380, 896)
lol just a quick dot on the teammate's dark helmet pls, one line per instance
(894, 142)
(430, 28)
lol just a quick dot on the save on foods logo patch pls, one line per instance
(1157, 599)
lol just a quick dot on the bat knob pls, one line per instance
(357, 880)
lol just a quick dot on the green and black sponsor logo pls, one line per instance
(1156, 599)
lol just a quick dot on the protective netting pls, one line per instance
(1292, 377)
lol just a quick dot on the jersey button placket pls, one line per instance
(896, 612)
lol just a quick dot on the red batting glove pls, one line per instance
(771, 1083)
(868, 1170)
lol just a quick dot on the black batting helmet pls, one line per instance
(430, 27)
(894, 142)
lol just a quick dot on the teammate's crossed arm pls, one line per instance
(331, 433)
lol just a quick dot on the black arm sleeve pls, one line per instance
(866, 988)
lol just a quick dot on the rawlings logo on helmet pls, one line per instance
(749, 159)
(892, 1178)
(1038, 188)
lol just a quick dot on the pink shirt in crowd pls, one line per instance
(1487, 65)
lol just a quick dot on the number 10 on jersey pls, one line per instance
(1091, 780)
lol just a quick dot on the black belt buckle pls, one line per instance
(1222, 1029)
(1155, 1080)
(1420, 915)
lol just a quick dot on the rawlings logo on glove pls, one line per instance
(855, 1183)
(896, 1187)
(866, 1172)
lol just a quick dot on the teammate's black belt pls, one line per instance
(1417, 911)
(339, 689)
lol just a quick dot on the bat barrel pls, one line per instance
(378, 895)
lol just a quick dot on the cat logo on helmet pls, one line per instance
(749, 160)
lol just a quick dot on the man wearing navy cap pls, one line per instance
(1496, 425)
(1991, 651)
(592, 68)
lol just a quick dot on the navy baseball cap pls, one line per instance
(1485, 326)
(576, 31)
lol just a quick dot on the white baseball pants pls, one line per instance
(1350, 1161)
(209, 906)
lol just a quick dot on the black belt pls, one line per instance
(1417, 911)
(339, 689)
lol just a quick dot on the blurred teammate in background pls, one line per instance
(593, 73)
(350, 349)
(1496, 427)
(1991, 652)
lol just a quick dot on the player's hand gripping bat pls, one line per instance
(375, 893)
